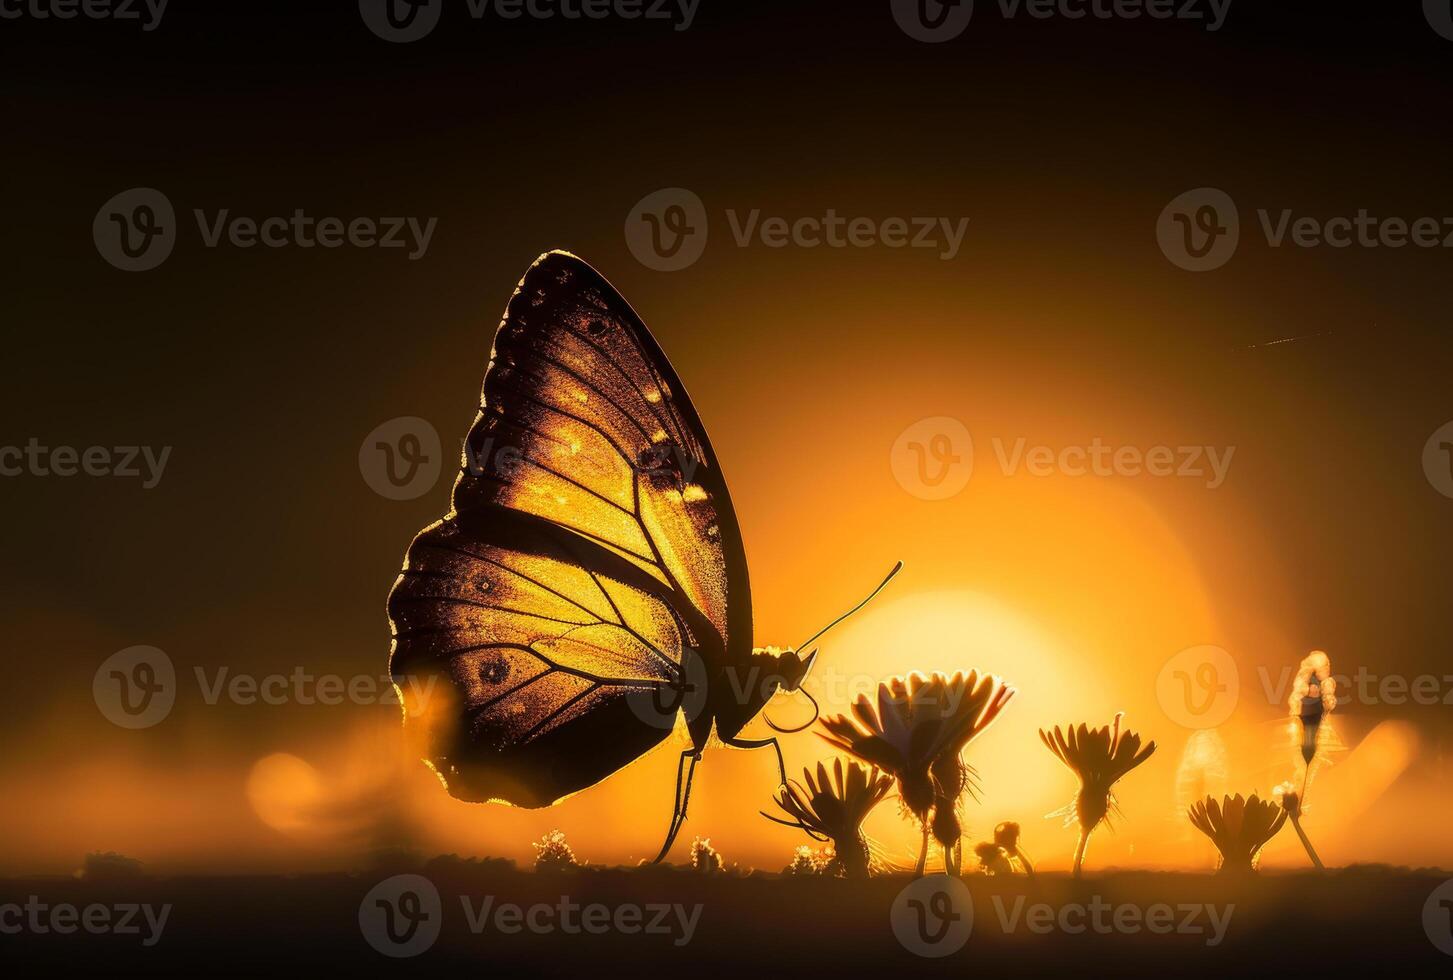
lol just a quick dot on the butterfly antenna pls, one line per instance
(816, 709)
(896, 569)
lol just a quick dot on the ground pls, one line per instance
(739, 925)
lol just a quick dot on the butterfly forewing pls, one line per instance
(591, 543)
(583, 423)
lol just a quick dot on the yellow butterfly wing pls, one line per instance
(592, 541)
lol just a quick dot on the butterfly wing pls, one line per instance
(592, 543)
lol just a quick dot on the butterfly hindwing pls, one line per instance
(592, 542)
(532, 662)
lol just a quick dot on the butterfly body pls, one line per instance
(589, 585)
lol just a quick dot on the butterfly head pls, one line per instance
(785, 668)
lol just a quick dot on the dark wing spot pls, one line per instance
(494, 671)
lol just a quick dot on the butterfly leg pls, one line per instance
(678, 807)
(762, 743)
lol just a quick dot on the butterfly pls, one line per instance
(589, 584)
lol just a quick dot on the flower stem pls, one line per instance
(1080, 851)
(923, 852)
(1306, 842)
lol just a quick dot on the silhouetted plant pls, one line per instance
(1238, 827)
(915, 731)
(1006, 836)
(110, 866)
(1099, 758)
(810, 861)
(553, 853)
(992, 859)
(969, 692)
(1290, 801)
(705, 858)
(833, 807)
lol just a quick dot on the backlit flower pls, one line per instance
(915, 730)
(1099, 758)
(831, 805)
(1238, 827)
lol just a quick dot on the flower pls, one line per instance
(951, 775)
(1290, 801)
(705, 858)
(1099, 758)
(1238, 827)
(807, 862)
(833, 807)
(553, 853)
(1006, 837)
(915, 731)
(992, 859)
